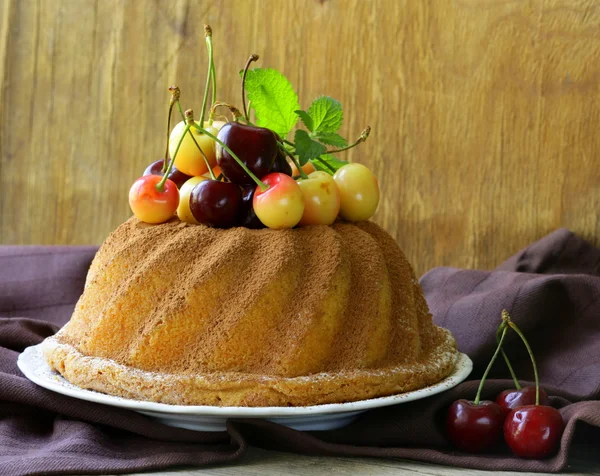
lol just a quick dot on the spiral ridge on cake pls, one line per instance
(187, 314)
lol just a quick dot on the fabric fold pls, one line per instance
(551, 288)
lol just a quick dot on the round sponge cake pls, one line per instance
(192, 315)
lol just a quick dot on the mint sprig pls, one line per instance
(273, 99)
(306, 148)
(276, 106)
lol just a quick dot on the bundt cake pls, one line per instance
(187, 314)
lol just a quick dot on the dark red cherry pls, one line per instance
(534, 431)
(217, 204)
(511, 399)
(249, 218)
(155, 168)
(281, 164)
(474, 428)
(256, 147)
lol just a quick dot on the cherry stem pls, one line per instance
(263, 186)
(237, 115)
(506, 318)
(363, 137)
(208, 35)
(160, 186)
(489, 367)
(164, 167)
(180, 110)
(213, 77)
(510, 369)
(291, 156)
(251, 59)
(189, 119)
(325, 164)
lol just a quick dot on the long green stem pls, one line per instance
(263, 186)
(510, 369)
(161, 185)
(325, 164)
(213, 76)
(291, 156)
(252, 58)
(181, 111)
(489, 367)
(164, 167)
(208, 35)
(363, 137)
(514, 327)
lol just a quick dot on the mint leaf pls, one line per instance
(326, 114)
(306, 148)
(330, 138)
(306, 119)
(273, 99)
(332, 161)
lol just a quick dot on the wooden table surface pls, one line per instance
(269, 463)
(485, 113)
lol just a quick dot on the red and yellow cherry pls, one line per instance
(307, 167)
(249, 218)
(155, 168)
(359, 192)
(534, 431)
(474, 427)
(189, 160)
(512, 399)
(183, 210)
(150, 204)
(216, 204)
(321, 199)
(256, 147)
(282, 204)
(281, 165)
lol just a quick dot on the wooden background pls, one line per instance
(485, 113)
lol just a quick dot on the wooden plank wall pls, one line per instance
(485, 113)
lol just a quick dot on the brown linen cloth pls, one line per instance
(552, 289)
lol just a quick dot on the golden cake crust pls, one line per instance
(186, 314)
(236, 389)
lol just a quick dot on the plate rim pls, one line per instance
(463, 368)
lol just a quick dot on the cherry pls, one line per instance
(152, 199)
(183, 210)
(359, 191)
(281, 165)
(216, 204)
(282, 204)
(176, 176)
(474, 427)
(513, 398)
(321, 199)
(249, 218)
(533, 431)
(256, 147)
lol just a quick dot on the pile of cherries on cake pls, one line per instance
(226, 174)
(523, 417)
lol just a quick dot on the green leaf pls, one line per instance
(332, 161)
(306, 119)
(330, 138)
(326, 114)
(306, 148)
(273, 99)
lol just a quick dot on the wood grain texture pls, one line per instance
(269, 463)
(485, 113)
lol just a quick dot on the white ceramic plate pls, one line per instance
(207, 418)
